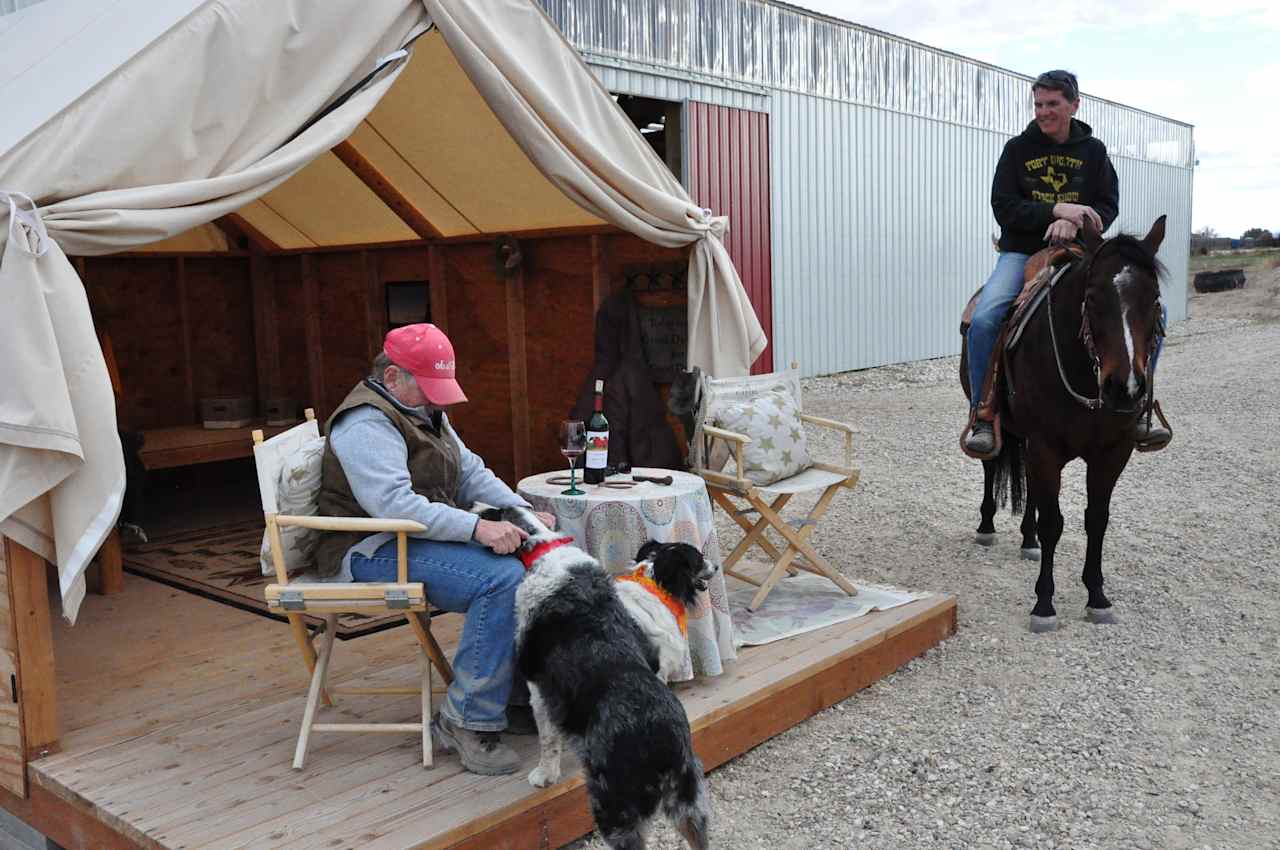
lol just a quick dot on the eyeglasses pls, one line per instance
(1063, 81)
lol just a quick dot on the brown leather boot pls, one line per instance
(1151, 434)
(480, 752)
(981, 440)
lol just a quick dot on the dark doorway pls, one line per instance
(659, 122)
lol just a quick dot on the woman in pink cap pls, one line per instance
(391, 453)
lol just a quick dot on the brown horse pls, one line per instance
(1073, 388)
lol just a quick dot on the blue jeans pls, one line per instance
(998, 293)
(466, 578)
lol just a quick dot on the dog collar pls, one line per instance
(675, 606)
(530, 557)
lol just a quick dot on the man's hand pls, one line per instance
(1076, 214)
(502, 538)
(1060, 231)
(549, 520)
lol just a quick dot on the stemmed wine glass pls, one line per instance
(573, 442)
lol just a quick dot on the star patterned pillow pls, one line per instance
(778, 448)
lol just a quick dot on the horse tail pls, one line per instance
(1009, 485)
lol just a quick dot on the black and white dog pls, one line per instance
(592, 681)
(666, 581)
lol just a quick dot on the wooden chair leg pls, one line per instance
(313, 694)
(422, 629)
(427, 755)
(754, 531)
(799, 545)
(299, 628)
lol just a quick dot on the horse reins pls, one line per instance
(1086, 337)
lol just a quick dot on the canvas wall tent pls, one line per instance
(150, 120)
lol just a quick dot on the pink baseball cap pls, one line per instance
(426, 353)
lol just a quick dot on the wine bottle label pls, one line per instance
(597, 449)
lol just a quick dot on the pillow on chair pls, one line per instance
(297, 494)
(778, 448)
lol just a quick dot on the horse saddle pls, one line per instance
(1041, 268)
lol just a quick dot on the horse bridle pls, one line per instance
(1086, 337)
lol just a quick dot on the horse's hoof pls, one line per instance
(1040, 625)
(1030, 554)
(984, 538)
(1101, 616)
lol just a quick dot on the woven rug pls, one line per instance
(222, 564)
(803, 603)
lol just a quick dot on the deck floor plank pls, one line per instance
(190, 745)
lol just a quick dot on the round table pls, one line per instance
(612, 524)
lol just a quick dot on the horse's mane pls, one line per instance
(1135, 251)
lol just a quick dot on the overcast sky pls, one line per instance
(1212, 64)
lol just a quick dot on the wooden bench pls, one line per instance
(185, 445)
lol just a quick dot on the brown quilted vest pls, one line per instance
(434, 466)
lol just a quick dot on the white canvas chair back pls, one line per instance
(269, 456)
(714, 394)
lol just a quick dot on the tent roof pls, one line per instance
(430, 160)
(438, 144)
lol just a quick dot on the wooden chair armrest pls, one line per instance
(826, 423)
(738, 484)
(350, 523)
(731, 436)
(833, 425)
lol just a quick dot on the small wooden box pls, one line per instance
(281, 410)
(232, 411)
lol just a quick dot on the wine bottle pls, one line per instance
(597, 441)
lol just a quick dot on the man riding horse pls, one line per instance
(1049, 180)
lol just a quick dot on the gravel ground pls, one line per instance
(1161, 732)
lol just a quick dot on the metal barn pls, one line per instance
(840, 153)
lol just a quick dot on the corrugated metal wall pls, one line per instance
(9, 6)
(883, 224)
(882, 152)
(727, 161)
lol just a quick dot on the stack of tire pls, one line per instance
(1219, 281)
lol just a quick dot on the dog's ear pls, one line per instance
(648, 550)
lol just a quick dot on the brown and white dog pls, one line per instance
(659, 591)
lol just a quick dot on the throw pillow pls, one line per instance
(297, 494)
(778, 448)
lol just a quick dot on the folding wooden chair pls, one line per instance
(329, 599)
(712, 447)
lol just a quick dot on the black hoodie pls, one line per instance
(1035, 172)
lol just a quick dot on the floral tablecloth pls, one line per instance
(612, 524)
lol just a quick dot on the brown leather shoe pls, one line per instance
(480, 752)
(1150, 434)
(981, 440)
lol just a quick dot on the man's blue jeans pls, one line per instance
(465, 578)
(998, 293)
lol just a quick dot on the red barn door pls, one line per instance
(728, 171)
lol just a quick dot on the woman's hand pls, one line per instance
(502, 538)
(549, 520)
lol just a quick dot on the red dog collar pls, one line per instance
(528, 558)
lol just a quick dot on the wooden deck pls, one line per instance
(180, 716)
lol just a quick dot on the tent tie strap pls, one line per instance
(30, 222)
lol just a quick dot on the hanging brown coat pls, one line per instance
(638, 430)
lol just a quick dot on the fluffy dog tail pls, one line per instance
(686, 806)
